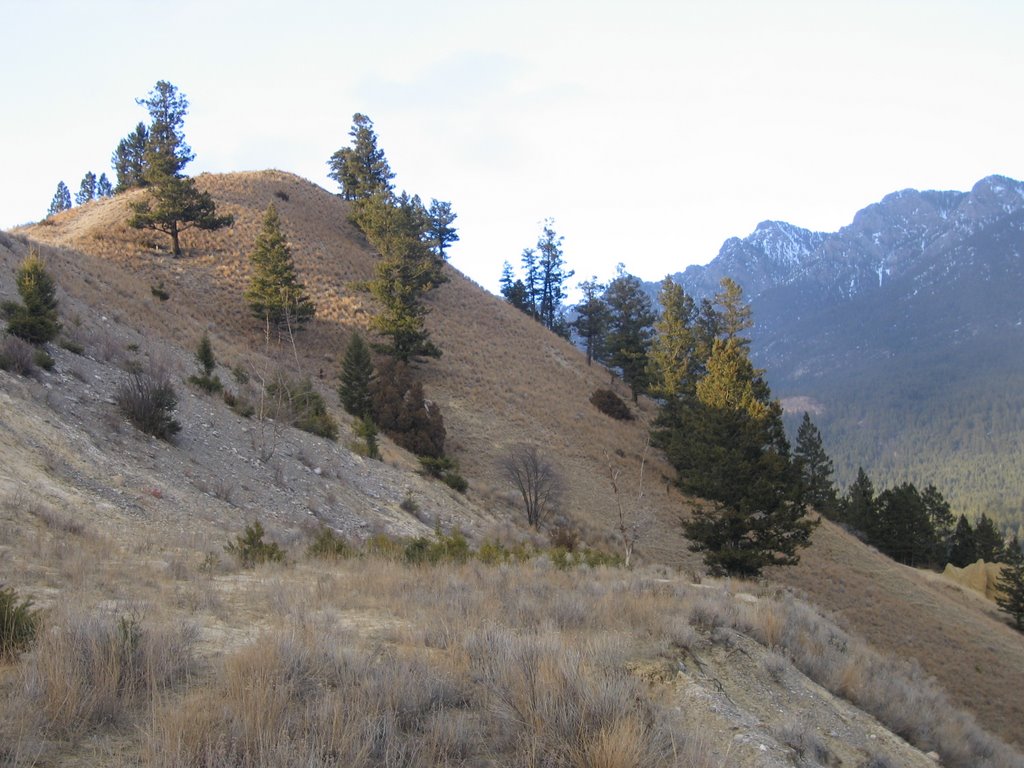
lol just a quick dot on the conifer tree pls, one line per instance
(356, 378)
(904, 531)
(174, 204)
(35, 318)
(103, 188)
(129, 161)
(408, 269)
(631, 318)
(591, 321)
(61, 199)
(962, 548)
(815, 468)
(514, 290)
(734, 453)
(206, 379)
(987, 541)
(531, 282)
(275, 294)
(734, 314)
(940, 515)
(859, 509)
(87, 189)
(362, 169)
(553, 276)
(403, 412)
(440, 232)
(674, 366)
(1011, 583)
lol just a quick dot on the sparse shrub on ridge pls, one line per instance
(18, 623)
(327, 543)
(148, 400)
(16, 355)
(305, 406)
(206, 379)
(251, 550)
(610, 404)
(402, 411)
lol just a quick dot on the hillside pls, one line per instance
(502, 380)
(902, 333)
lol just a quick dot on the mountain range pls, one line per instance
(902, 334)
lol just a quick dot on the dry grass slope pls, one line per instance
(502, 380)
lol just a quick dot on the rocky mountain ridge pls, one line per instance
(907, 320)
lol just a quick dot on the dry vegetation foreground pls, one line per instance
(156, 649)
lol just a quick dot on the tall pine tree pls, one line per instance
(733, 453)
(275, 294)
(61, 199)
(1011, 583)
(591, 323)
(631, 318)
(815, 468)
(356, 378)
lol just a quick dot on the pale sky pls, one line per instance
(650, 131)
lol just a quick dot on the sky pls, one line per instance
(650, 131)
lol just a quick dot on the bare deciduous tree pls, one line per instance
(536, 479)
(633, 516)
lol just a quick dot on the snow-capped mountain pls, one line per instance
(904, 331)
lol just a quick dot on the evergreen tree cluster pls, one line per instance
(410, 237)
(722, 432)
(542, 289)
(91, 188)
(917, 528)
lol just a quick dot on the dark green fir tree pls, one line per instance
(35, 318)
(61, 199)
(815, 467)
(275, 294)
(1011, 583)
(356, 378)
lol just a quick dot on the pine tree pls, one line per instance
(531, 282)
(513, 290)
(942, 521)
(734, 315)
(408, 269)
(361, 170)
(174, 204)
(402, 411)
(591, 321)
(356, 378)
(1011, 583)
(61, 199)
(815, 468)
(673, 361)
(904, 532)
(987, 541)
(35, 318)
(962, 547)
(275, 294)
(553, 276)
(440, 232)
(175, 207)
(128, 160)
(87, 189)
(733, 452)
(631, 318)
(207, 364)
(859, 509)
(103, 188)
(165, 144)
